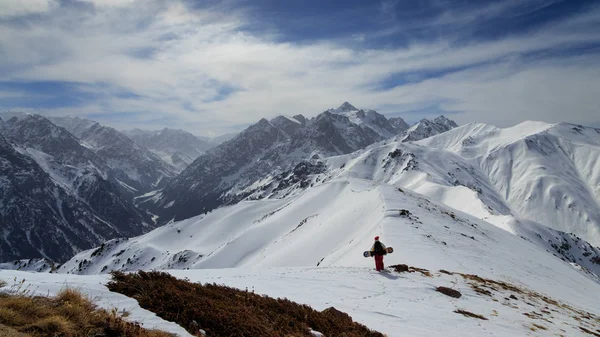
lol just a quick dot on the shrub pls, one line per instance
(225, 311)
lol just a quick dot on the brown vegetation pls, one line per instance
(589, 331)
(449, 292)
(401, 268)
(469, 314)
(69, 314)
(225, 311)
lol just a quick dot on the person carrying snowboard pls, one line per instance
(378, 251)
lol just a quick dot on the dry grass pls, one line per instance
(225, 311)
(469, 314)
(492, 284)
(401, 268)
(590, 332)
(6, 331)
(68, 314)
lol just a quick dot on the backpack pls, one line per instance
(378, 248)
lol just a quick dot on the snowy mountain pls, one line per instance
(368, 119)
(177, 147)
(329, 224)
(442, 176)
(426, 128)
(74, 166)
(220, 139)
(318, 235)
(262, 151)
(304, 198)
(399, 124)
(135, 166)
(547, 173)
(42, 216)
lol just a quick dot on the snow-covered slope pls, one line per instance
(547, 173)
(324, 230)
(34, 265)
(395, 304)
(426, 128)
(135, 166)
(458, 182)
(264, 150)
(177, 147)
(326, 225)
(440, 175)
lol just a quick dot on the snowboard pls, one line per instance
(388, 250)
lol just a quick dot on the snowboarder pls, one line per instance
(378, 251)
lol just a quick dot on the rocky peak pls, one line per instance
(300, 118)
(399, 124)
(346, 107)
(442, 120)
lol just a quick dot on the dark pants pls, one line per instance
(379, 262)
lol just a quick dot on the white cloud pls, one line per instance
(10, 8)
(178, 60)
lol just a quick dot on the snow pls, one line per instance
(308, 248)
(317, 227)
(44, 284)
(394, 304)
(499, 203)
(126, 186)
(292, 119)
(546, 173)
(147, 195)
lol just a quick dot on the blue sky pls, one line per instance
(211, 67)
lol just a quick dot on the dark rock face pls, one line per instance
(133, 165)
(58, 197)
(399, 124)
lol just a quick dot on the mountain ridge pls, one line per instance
(265, 149)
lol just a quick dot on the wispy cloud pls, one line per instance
(206, 68)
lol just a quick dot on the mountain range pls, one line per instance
(537, 181)
(233, 170)
(509, 217)
(57, 197)
(176, 147)
(91, 176)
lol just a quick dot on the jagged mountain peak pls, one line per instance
(287, 124)
(426, 128)
(346, 107)
(174, 146)
(300, 118)
(398, 123)
(443, 120)
(57, 196)
(137, 166)
(265, 148)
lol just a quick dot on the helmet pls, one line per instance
(376, 238)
